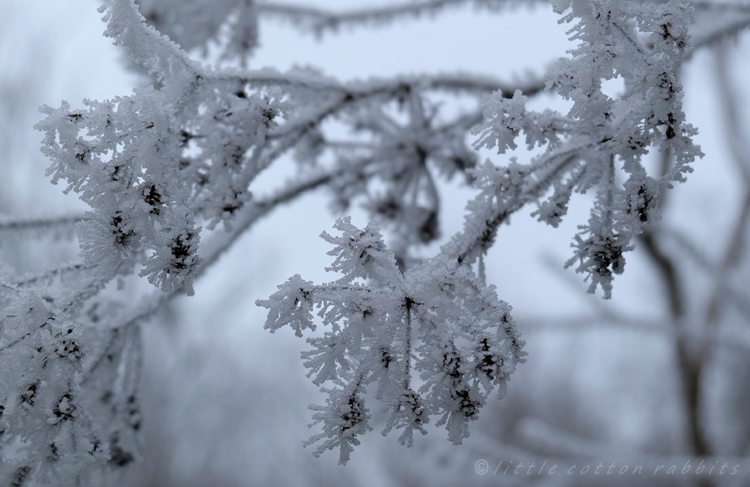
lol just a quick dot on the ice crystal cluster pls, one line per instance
(166, 173)
(437, 324)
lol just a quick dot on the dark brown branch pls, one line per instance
(688, 369)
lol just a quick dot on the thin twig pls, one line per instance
(320, 21)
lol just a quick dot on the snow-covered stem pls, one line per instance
(39, 223)
(49, 275)
(450, 82)
(320, 21)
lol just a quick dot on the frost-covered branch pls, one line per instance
(603, 130)
(39, 224)
(320, 21)
(195, 25)
(435, 340)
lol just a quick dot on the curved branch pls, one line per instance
(739, 300)
(320, 21)
(483, 240)
(349, 94)
(213, 250)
